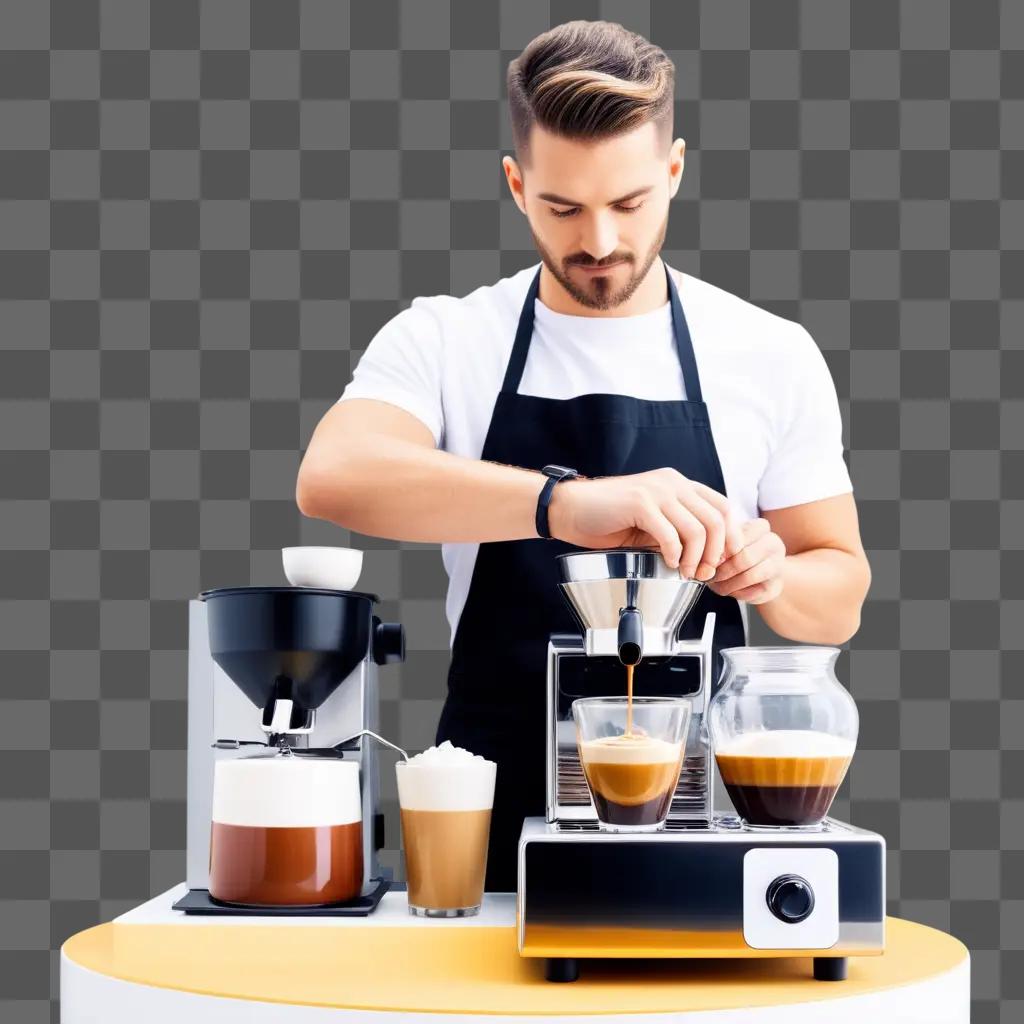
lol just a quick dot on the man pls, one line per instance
(696, 422)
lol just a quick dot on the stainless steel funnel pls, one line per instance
(601, 585)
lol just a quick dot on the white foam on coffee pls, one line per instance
(286, 792)
(630, 750)
(446, 778)
(786, 743)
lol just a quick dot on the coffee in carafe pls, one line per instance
(784, 777)
(287, 831)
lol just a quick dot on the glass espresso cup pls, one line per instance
(631, 757)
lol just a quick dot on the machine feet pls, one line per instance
(561, 968)
(830, 968)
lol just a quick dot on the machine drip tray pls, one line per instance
(200, 903)
(721, 823)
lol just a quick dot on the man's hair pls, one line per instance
(589, 80)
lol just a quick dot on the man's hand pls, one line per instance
(754, 573)
(693, 525)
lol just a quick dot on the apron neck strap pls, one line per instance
(680, 331)
(684, 344)
(524, 334)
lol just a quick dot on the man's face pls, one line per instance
(598, 211)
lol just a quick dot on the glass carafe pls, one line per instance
(783, 730)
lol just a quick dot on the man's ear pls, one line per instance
(514, 177)
(676, 159)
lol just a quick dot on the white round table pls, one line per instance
(156, 965)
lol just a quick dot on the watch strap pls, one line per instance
(554, 474)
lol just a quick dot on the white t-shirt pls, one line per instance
(770, 397)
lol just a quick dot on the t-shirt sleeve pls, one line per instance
(402, 366)
(806, 462)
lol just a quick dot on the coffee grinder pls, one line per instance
(284, 666)
(706, 885)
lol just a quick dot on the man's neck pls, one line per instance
(651, 294)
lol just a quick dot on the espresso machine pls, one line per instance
(706, 885)
(278, 667)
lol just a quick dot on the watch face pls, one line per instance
(558, 471)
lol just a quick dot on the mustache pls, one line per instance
(583, 260)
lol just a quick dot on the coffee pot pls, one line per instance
(783, 731)
(292, 668)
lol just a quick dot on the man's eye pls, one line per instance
(565, 213)
(629, 209)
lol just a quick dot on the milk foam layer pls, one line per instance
(286, 792)
(446, 778)
(630, 750)
(786, 743)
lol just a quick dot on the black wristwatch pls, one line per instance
(554, 475)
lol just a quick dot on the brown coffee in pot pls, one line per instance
(785, 776)
(294, 866)
(286, 831)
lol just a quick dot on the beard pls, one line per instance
(598, 293)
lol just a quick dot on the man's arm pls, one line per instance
(805, 569)
(374, 468)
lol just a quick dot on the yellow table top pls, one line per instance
(474, 970)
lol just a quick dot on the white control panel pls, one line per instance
(790, 898)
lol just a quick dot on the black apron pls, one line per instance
(496, 701)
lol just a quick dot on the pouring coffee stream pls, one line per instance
(630, 644)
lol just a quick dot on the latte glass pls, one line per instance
(631, 757)
(446, 820)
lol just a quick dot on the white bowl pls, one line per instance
(327, 568)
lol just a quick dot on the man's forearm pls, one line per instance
(403, 491)
(822, 594)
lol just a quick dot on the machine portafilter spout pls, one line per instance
(631, 628)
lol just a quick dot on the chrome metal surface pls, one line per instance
(616, 563)
(856, 936)
(568, 796)
(224, 723)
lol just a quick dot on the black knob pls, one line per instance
(388, 642)
(790, 898)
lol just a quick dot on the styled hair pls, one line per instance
(589, 80)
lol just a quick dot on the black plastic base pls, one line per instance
(200, 903)
(830, 968)
(561, 968)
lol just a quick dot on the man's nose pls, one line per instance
(599, 237)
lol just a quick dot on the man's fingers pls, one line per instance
(759, 593)
(662, 530)
(753, 529)
(741, 561)
(758, 545)
(734, 539)
(691, 533)
(713, 523)
(756, 574)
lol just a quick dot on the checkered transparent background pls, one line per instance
(206, 211)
